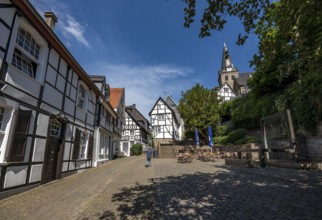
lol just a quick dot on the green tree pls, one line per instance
(288, 62)
(199, 108)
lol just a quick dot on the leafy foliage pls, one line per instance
(236, 135)
(216, 12)
(288, 63)
(221, 130)
(136, 149)
(199, 108)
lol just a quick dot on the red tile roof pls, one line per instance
(115, 96)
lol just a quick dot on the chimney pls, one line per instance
(51, 20)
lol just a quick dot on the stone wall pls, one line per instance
(314, 144)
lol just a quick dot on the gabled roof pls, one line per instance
(169, 107)
(173, 106)
(242, 79)
(159, 99)
(170, 101)
(115, 96)
(136, 115)
(221, 88)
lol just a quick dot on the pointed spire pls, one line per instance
(227, 64)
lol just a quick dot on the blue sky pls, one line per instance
(143, 46)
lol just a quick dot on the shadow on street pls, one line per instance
(233, 194)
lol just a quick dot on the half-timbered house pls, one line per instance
(47, 102)
(106, 133)
(166, 121)
(226, 92)
(117, 100)
(135, 130)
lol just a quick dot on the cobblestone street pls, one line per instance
(125, 189)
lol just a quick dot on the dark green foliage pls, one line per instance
(215, 15)
(288, 63)
(236, 135)
(221, 130)
(225, 110)
(189, 134)
(136, 149)
(221, 140)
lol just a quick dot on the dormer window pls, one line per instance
(26, 53)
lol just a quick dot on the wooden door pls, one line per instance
(53, 147)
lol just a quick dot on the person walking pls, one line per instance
(149, 153)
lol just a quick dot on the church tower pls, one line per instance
(228, 72)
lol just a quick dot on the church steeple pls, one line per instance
(228, 72)
(227, 64)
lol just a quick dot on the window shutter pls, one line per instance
(90, 147)
(76, 144)
(17, 150)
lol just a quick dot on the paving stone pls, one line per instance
(125, 189)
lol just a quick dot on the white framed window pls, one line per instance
(28, 43)
(125, 147)
(83, 144)
(103, 145)
(159, 106)
(161, 117)
(23, 63)
(131, 133)
(26, 53)
(157, 129)
(82, 97)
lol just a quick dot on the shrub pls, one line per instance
(221, 130)
(240, 141)
(236, 135)
(222, 140)
(136, 149)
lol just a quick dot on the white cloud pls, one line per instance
(67, 24)
(144, 84)
(75, 29)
